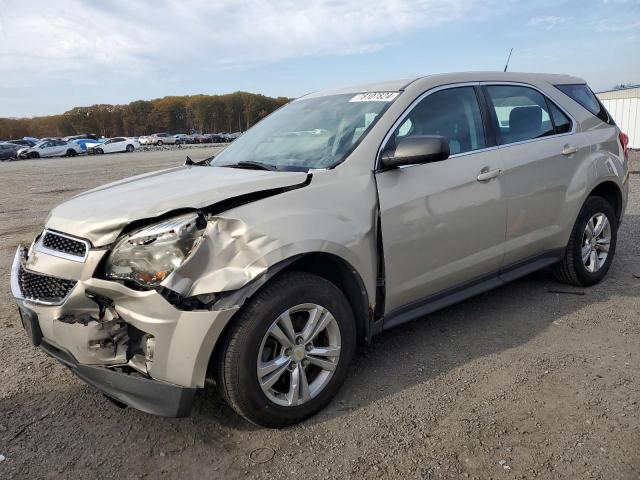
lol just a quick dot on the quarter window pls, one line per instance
(585, 97)
(560, 120)
(522, 113)
(452, 113)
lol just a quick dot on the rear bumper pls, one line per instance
(151, 396)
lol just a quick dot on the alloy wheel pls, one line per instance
(299, 355)
(596, 240)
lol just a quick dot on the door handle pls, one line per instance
(569, 149)
(486, 174)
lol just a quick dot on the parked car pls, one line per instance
(83, 143)
(182, 138)
(50, 148)
(113, 145)
(82, 136)
(9, 151)
(25, 142)
(202, 138)
(163, 138)
(145, 140)
(338, 216)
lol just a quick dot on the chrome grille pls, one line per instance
(43, 288)
(64, 244)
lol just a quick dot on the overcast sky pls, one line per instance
(58, 54)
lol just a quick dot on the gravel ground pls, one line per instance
(516, 383)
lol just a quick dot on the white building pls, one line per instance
(623, 105)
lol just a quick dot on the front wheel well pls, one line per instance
(328, 266)
(345, 277)
(611, 193)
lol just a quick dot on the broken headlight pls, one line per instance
(149, 255)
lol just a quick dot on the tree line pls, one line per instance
(232, 112)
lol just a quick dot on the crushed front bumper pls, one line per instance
(106, 346)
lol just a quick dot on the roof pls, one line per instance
(445, 78)
(620, 93)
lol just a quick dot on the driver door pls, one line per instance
(108, 146)
(443, 226)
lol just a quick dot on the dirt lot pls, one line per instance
(516, 383)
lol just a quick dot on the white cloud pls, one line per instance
(41, 39)
(608, 25)
(547, 22)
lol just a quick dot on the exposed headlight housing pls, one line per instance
(150, 255)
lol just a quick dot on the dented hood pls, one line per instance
(100, 214)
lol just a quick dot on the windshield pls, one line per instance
(309, 133)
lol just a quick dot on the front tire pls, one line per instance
(159, 143)
(34, 155)
(130, 148)
(98, 151)
(288, 351)
(592, 245)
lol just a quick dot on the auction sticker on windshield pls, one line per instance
(374, 97)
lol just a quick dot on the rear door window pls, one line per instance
(522, 113)
(585, 97)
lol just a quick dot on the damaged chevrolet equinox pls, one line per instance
(340, 215)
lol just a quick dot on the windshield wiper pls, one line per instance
(253, 165)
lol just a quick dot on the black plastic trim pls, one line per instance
(147, 395)
(438, 301)
(490, 138)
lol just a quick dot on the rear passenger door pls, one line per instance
(61, 147)
(540, 152)
(442, 224)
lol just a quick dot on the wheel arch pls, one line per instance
(329, 266)
(339, 272)
(610, 191)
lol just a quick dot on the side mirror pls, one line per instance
(416, 149)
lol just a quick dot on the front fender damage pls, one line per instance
(243, 247)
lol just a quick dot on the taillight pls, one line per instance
(624, 141)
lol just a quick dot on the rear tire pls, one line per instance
(244, 346)
(585, 262)
(70, 153)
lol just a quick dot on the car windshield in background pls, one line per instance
(308, 133)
